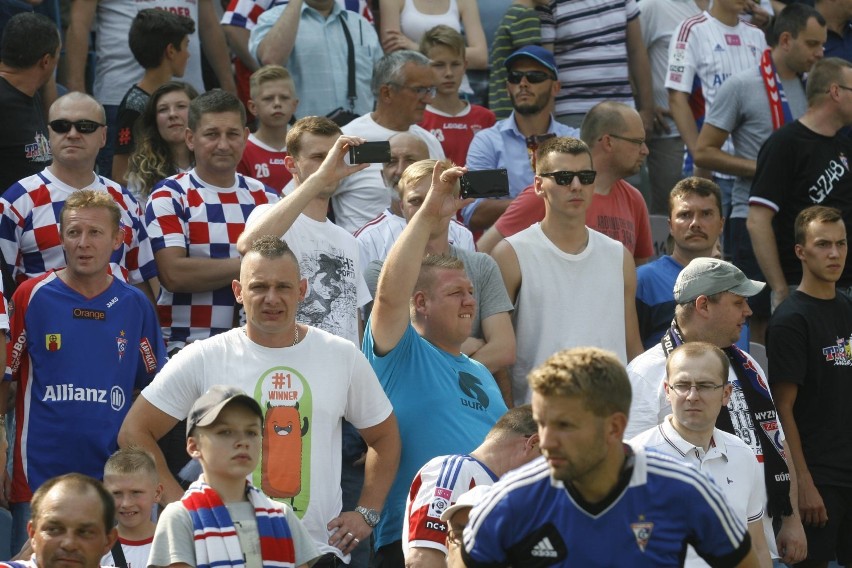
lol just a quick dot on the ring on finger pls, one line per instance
(355, 540)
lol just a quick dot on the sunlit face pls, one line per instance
(274, 103)
(727, 317)
(630, 153)
(313, 150)
(824, 253)
(405, 150)
(172, 112)
(697, 411)
(230, 447)
(572, 439)
(448, 68)
(270, 290)
(69, 531)
(531, 98)
(573, 199)
(89, 237)
(695, 222)
(447, 307)
(74, 148)
(218, 142)
(135, 496)
(405, 100)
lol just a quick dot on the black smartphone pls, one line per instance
(485, 183)
(370, 153)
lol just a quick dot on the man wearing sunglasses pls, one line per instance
(697, 387)
(29, 222)
(712, 307)
(571, 285)
(512, 142)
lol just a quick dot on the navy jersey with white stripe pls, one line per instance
(531, 520)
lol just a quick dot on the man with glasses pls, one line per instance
(616, 136)
(29, 222)
(697, 387)
(711, 307)
(801, 164)
(403, 83)
(512, 142)
(570, 284)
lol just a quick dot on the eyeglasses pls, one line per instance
(514, 77)
(565, 178)
(61, 126)
(637, 141)
(683, 389)
(536, 139)
(421, 91)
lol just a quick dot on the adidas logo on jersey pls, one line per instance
(544, 549)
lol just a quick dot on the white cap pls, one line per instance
(468, 500)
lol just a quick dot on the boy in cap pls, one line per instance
(222, 519)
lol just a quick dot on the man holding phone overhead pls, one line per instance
(596, 275)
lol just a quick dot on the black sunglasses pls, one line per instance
(533, 77)
(565, 178)
(62, 125)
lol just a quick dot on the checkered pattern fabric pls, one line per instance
(206, 222)
(29, 229)
(244, 13)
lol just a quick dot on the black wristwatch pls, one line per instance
(371, 516)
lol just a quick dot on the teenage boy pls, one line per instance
(450, 118)
(273, 101)
(130, 476)
(222, 519)
(159, 41)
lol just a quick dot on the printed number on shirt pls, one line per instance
(261, 170)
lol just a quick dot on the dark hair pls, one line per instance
(696, 186)
(792, 19)
(815, 213)
(214, 101)
(80, 483)
(153, 30)
(27, 38)
(151, 159)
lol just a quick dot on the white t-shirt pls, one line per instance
(305, 389)
(363, 195)
(728, 461)
(329, 259)
(135, 552)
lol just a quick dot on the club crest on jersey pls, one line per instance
(121, 344)
(440, 502)
(53, 341)
(642, 532)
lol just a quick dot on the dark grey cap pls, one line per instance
(706, 276)
(207, 408)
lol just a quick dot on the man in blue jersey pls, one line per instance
(82, 344)
(593, 500)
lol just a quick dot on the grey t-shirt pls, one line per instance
(741, 107)
(173, 540)
(488, 288)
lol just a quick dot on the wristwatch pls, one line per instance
(371, 516)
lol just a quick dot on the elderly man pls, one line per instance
(511, 143)
(29, 222)
(73, 516)
(421, 318)
(403, 83)
(711, 307)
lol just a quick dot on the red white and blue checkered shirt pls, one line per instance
(206, 222)
(244, 13)
(29, 229)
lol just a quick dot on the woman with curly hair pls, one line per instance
(161, 149)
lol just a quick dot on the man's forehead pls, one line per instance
(528, 64)
(76, 109)
(409, 146)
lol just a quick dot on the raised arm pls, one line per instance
(278, 219)
(390, 316)
(214, 45)
(82, 15)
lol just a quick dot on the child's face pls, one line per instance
(180, 58)
(274, 103)
(229, 448)
(448, 67)
(135, 495)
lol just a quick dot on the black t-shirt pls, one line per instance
(24, 145)
(797, 168)
(129, 111)
(809, 343)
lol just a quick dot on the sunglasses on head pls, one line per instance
(61, 126)
(514, 77)
(565, 178)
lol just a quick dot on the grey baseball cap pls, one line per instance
(207, 408)
(706, 276)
